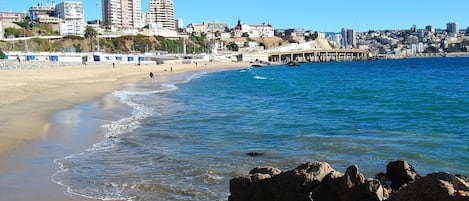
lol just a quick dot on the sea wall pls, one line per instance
(318, 181)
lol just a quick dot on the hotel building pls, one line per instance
(162, 12)
(123, 14)
(72, 18)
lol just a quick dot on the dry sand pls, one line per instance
(28, 97)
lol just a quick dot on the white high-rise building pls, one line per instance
(162, 12)
(72, 18)
(123, 14)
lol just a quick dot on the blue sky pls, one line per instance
(320, 15)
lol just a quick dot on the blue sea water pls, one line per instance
(188, 136)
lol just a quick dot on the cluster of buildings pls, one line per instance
(127, 17)
(414, 42)
(122, 16)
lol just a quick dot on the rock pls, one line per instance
(254, 154)
(318, 181)
(434, 187)
(374, 190)
(267, 183)
(400, 173)
(266, 170)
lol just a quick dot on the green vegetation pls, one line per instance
(232, 46)
(72, 37)
(2, 55)
(44, 29)
(24, 24)
(44, 45)
(77, 47)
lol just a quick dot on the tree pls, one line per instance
(2, 55)
(90, 33)
(232, 46)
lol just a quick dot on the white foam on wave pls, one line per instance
(114, 131)
(257, 77)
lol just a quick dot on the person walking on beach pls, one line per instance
(152, 77)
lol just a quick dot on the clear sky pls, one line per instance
(322, 15)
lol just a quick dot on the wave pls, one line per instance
(114, 132)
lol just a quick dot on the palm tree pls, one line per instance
(90, 33)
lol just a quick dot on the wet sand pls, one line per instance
(28, 141)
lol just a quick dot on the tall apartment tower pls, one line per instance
(452, 27)
(123, 14)
(162, 12)
(349, 37)
(72, 17)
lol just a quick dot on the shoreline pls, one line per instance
(30, 98)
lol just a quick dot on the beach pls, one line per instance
(29, 96)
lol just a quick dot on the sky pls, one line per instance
(316, 15)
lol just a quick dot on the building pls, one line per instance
(349, 38)
(430, 29)
(72, 18)
(42, 12)
(295, 32)
(214, 27)
(179, 24)
(162, 12)
(452, 28)
(123, 15)
(12, 16)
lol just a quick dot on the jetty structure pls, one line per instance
(319, 50)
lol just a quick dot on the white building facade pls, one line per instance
(162, 12)
(72, 18)
(264, 30)
(123, 15)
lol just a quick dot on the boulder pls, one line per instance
(400, 173)
(267, 183)
(434, 187)
(266, 170)
(350, 186)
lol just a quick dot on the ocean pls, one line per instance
(184, 138)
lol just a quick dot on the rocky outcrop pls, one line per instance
(318, 181)
(400, 173)
(434, 187)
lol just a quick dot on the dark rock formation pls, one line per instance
(295, 185)
(434, 187)
(253, 154)
(400, 173)
(318, 181)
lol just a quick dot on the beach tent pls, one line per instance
(130, 58)
(96, 57)
(30, 57)
(141, 58)
(119, 58)
(54, 58)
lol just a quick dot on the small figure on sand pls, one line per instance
(113, 65)
(152, 77)
(171, 69)
(195, 64)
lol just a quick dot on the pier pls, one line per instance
(318, 55)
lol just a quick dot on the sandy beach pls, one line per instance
(28, 97)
